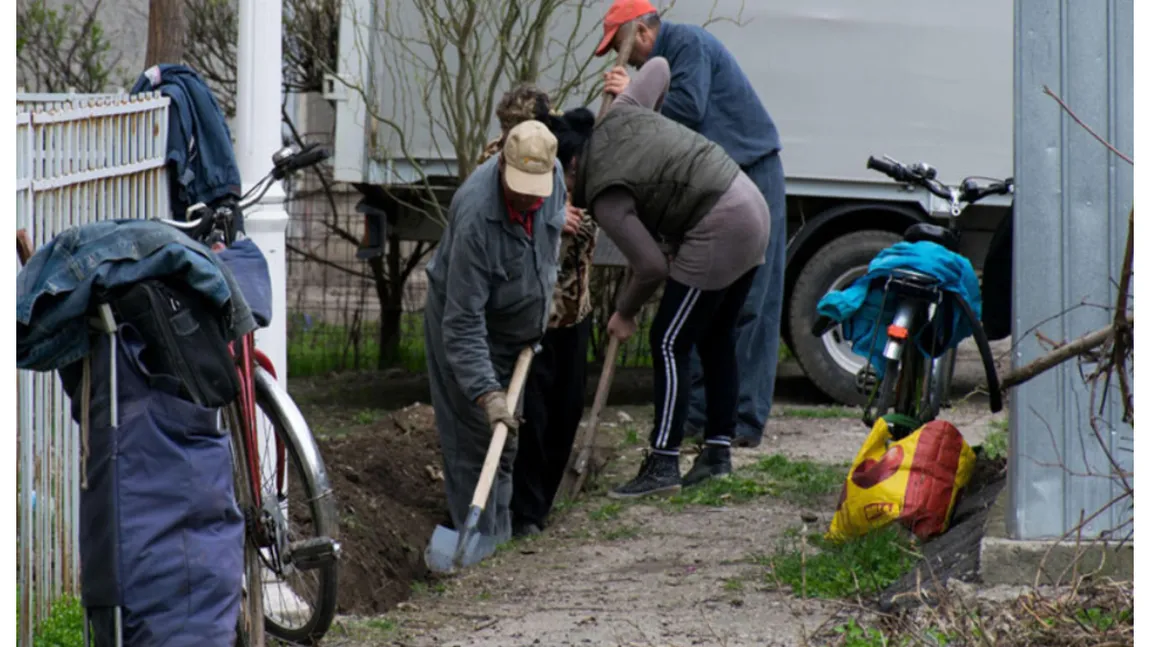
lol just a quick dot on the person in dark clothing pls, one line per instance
(687, 219)
(711, 95)
(553, 393)
(490, 283)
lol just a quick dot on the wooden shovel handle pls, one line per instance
(23, 246)
(575, 472)
(499, 434)
(627, 31)
(601, 392)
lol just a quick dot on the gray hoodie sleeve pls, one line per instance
(464, 315)
(648, 85)
(614, 210)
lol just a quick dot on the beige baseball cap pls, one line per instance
(529, 154)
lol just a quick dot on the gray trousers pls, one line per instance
(464, 436)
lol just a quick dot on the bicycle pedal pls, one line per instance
(866, 380)
(310, 554)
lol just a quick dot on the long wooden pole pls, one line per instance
(576, 471)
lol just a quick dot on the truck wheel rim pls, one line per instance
(838, 347)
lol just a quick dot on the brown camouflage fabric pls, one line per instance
(571, 303)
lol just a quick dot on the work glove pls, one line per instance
(495, 405)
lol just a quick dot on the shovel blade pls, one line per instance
(441, 550)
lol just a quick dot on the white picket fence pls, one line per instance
(79, 159)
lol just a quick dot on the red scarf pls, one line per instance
(522, 218)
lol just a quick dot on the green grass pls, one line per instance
(631, 436)
(64, 627)
(775, 475)
(318, 348)
(607, 511)
(720, 492)
(621, 532)
(1103, 620)
(864, 566)
(801, 480)
(733, 584)
(419, 587)
(856, 635)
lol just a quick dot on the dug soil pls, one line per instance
(386, 474)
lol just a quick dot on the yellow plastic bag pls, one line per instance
(914, 481)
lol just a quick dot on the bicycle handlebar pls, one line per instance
(285, 162)
(923, 175)
(310, 155)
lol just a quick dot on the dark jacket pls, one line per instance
(201, 163)
(710, 94)
(675, 175)
(54, 291)
(489, 285)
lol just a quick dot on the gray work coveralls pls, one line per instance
(489, 297)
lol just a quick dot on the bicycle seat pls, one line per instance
(911, 284)
(925, 231)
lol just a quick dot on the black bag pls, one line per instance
(185, 339)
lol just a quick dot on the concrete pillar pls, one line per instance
(258, 132)
(258, 135)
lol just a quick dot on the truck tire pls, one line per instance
(828, 360)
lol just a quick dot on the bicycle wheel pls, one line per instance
(249, 625)
(301, 557)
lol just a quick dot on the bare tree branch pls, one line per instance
(1129, 160)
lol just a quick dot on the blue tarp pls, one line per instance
(160, 532)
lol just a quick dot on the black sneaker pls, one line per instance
(747, 441)
(659, 474)
(714, 462)
(525, 529)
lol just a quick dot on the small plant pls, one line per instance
(719, 492)
(997, 441)
(864, 566)
(607, 511)
(801, 479)
(856, 635)
(368, 416)
(733, 584)
(631, 436)
(381, 625)
(622, 532)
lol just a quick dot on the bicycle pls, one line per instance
(915, 381)
(271, 544)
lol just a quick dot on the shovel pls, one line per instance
(576, 470)
(451, 549)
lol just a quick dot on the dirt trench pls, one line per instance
(646, 574)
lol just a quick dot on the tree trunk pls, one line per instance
(389, 290)
(166, 27)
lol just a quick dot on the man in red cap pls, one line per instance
(710, 94)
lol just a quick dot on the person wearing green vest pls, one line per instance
(688, 220)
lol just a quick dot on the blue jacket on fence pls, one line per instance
(54, 290)
(200, 154)
(859, 308)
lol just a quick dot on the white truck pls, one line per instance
(919, 80)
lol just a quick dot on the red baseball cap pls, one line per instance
(620, 13)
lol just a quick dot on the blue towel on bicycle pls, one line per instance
(860, 309)
(250, 270)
